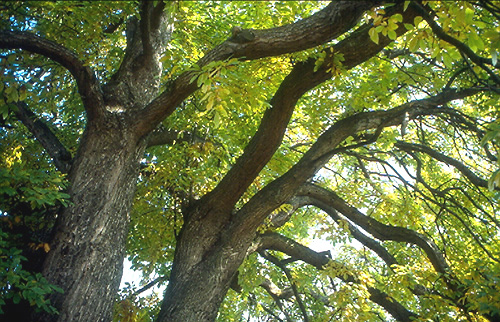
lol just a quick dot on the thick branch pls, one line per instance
(322, 197)
(356, 49)
(273, 241)
(327, 24)
(356, 233)
(88, 85)
(277, 295)
(43, 134)
(264, 143)
(150, 20)
(145, 27)
(164, 136)
(282, 189)
(137, 81)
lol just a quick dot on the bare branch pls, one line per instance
(151, 284)
(275, 292)
(88, 85)
(288, 275)
(375, 228)
(356, 233)
(277, 295)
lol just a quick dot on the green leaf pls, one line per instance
(16, 298)
(406, 4)
(392, 34)
(417, 20)
(494, 180)
(373, 35)
(447, 60)
(217, 119)
(409, 26)
(397, 17)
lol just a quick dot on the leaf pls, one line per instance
(417, 20)
(210, 103)
(409, 26)
(413, 45)
(447, 60)
(319, 61)
(392, 34)
(23, 93)
(217, 119)
(373, 35)
(397, 17)
(494, 180)
(193, 79)
(13, 96)
(406, 4)
(16, 298)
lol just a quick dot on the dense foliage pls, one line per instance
(377, 199)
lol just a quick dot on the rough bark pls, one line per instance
(87, 251)
(89, 245)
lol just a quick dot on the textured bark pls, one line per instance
(88, 248)
(196, 291)
(87, 252)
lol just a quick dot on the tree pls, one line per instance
(209, 141)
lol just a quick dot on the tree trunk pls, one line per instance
(205, 263)
(86, 255)
(195, 294)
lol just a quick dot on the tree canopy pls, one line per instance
(262, 160)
